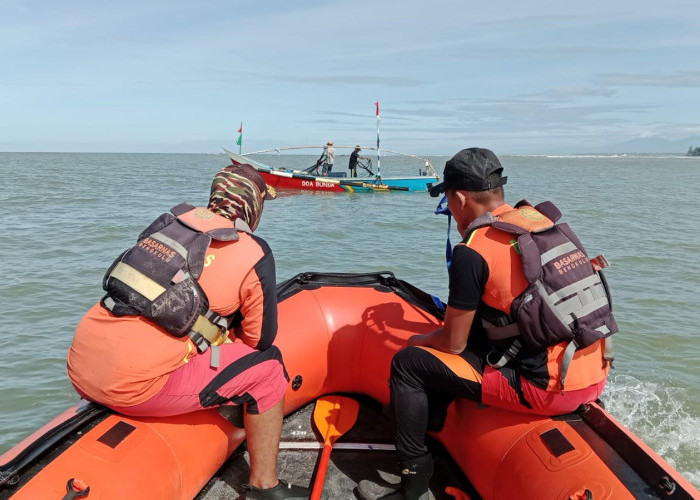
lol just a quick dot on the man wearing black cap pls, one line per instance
(352, 163)
(485, 276)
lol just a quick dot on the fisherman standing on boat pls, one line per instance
(328, 158)
(158, 343)
(464, 357)
(352, 164)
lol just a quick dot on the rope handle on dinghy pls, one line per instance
(10, 473)
(380, 280)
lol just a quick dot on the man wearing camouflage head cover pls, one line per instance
(127, 355)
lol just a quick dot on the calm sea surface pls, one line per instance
(65, 217)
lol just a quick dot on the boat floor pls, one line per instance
(346, 467)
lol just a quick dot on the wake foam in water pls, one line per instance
(658, 414)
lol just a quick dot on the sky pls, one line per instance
(519, 77)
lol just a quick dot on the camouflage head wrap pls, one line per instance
(237, 192)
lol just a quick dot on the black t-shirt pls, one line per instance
(353, 159)
(468, 275)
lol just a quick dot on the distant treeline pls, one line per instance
(693, 151)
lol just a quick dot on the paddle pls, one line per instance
(333, 416)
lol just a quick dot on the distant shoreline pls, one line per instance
(694, 153)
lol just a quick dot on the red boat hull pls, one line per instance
(280, 182)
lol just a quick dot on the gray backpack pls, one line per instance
(567, 300)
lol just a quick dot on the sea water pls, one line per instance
(65, 217)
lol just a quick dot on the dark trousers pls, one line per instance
(422, 387)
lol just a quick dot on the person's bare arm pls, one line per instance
(452, 336)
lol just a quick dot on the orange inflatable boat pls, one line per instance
(337, 333)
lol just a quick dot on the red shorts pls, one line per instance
(244, 376)
(496, 391)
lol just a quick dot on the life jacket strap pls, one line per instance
(608, 351)
(568, 306)
(109, 303)
(565, 362)
(137, 281)
(210, 331)
(506, 356)
(484, 220)
(209, 328)
(213, 333)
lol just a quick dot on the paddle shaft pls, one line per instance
(321, 473)
(333, 416)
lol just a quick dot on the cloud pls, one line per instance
(689, 79)
(351, 79)
(569, 93)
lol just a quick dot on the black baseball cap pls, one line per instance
(472, 169)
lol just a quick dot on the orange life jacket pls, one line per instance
(507, 282)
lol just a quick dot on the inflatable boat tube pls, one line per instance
(338, 333)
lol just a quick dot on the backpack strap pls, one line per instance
(209, 328)
(484, 220)
(215, 226)
(608, 352)
(180, 209)
(506, 356)
(565, 362)
(549, 210)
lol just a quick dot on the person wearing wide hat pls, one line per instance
(328, 158)
(354, 157)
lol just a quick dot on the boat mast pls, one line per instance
(379, 164)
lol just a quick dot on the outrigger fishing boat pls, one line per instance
(309, 179)
(338, 333)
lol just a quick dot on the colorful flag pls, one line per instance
(377, 106)
(239, 141)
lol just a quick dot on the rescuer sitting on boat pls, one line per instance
(485, 351)
(159, 343)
